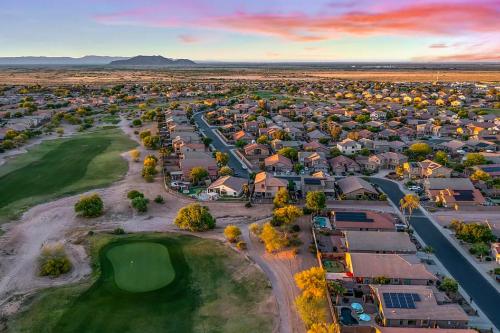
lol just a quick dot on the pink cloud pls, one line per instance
(436, 18)
(188, 39)
(438, 46)
(486, 55)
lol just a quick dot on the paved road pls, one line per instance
(234, 163)
(482, 293)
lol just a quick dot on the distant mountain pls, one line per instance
(152, 61)
(86, 60)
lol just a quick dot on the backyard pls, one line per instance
(61, 167)
(152, 283)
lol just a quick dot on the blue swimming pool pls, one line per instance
(321, 222)
(346, 317)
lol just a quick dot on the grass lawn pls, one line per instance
(212, 289)
(60, 167)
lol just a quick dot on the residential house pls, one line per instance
(415, 307)
(388, 160)
(228, 186)
(315, 161)
(379, 242)
(453, 192)
(278, 163)
(349, 147)
(356, 188)
(426, 169)
(405, 269)
(266, 185)
(342, 165)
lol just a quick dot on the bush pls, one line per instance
(119, 231)
(195, 217)
(136, 122)
(89, 206)
(53, 261)
(295, 228)
(159, 199)
(134, 194)
(248, 205)
(449, 285)
(232, 233)
(255, 229)
(140, 204)
(241, 245)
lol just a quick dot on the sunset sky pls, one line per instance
(255, 30)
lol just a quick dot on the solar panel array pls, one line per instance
(352, 217)
(464, 195)
(400, 300)
(491, 169)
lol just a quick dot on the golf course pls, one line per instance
(157, 283)
(61, 167)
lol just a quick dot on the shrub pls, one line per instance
(140, 204)
(449, 285)
(255, 229)
(273, 239)
(248, 205)
(136, 122)
(311, 310)
(53, 261)
(195, 217)
(134, 194)
(232, 233)
(241, 245)
(119, 231)
(295, 228)
(159, 199)
(89, 206)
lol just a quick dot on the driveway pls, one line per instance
(482, 292)
(234, 163)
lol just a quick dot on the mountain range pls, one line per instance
(96, 60)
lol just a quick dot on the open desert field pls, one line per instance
(84, 75)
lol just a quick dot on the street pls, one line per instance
(234, 163)
(482, 293)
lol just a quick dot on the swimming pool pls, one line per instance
(321, 222)
(346, 317)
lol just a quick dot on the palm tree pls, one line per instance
(337, 289)
(409, 202)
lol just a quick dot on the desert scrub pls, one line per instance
(53, 260)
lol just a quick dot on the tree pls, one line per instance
(281, 198)
(312, 282)
(480, 175)
(89, 206)
(221, 158)
(316, 201)
(449, 285)
(263, 139)
(206, 141)
(289, 152)
(135, 155)
(134, 194)
(409, 202)
(225, 171)
(420, 149)
(474, 159)
(151, 142)
(53, 260)
(472, 232)
(441, 157)
(311, 310)
(273, 240)
(335, 132)
(232, 233)
(480, 249)
(255, 229)
(286, 215)
(140, 204)
(428, 250)
(198, 174)
(194, 217)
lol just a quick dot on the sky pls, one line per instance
(255, 30)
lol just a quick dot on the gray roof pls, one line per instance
(381, 241)
(457, 184)
(234, 183)
(351, 184)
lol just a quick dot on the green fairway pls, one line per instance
(190, 285)
(60, 167)
(140, 267)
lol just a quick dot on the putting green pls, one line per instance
(141, 266)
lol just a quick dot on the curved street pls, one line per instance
(481, 291)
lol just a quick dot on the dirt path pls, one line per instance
(280, 269)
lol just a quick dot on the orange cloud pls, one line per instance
(430, 19)
(438, 46)
(487, 56)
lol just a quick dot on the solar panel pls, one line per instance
(352, 217)
(400, 300)
(491, 169)
(464, 195)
